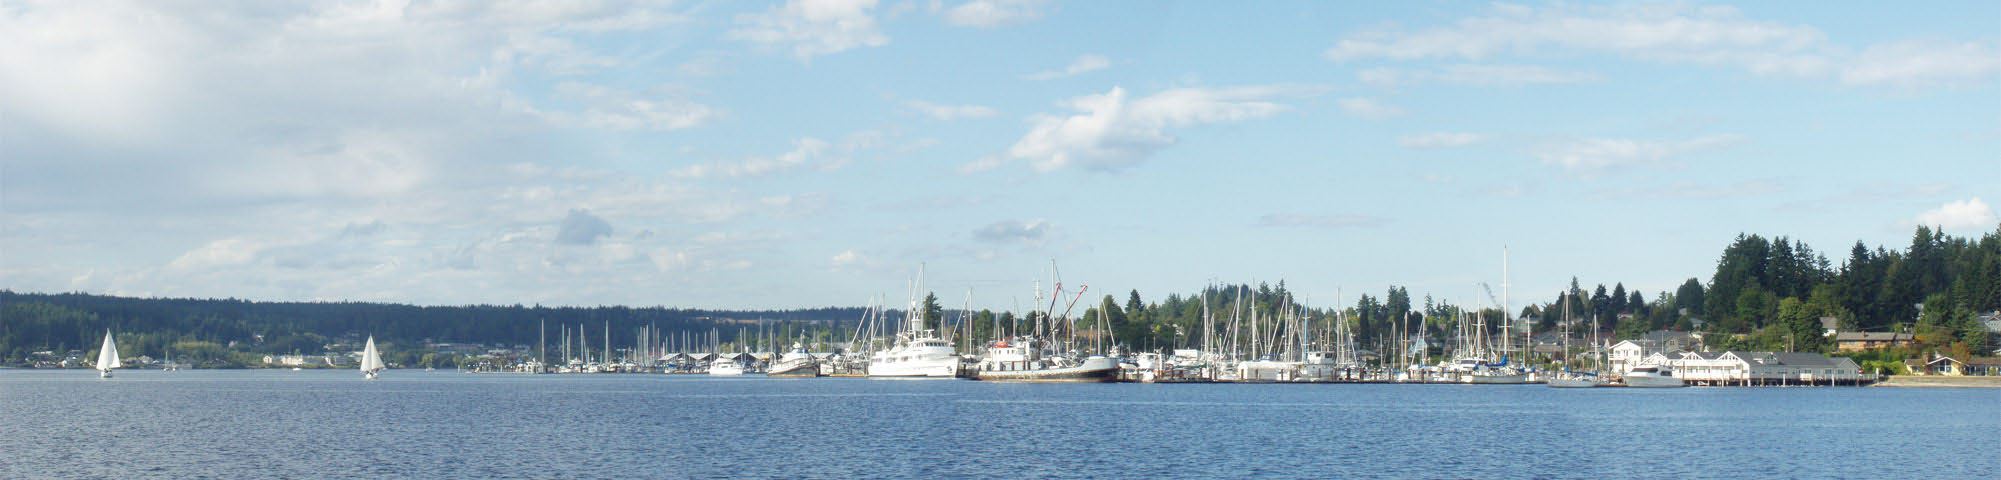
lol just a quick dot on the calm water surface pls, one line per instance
(410, 424)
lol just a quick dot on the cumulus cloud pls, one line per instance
(581, 228)
(1439, 140)
(1962, 215)
(1032, 232)
(813, 27)
(950, 112)
(1319, 221)
(1368, 108)
(1600, 154)
(1109, 132)
(1083, 63)
(989, 13)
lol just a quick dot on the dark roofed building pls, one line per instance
(1857, 341)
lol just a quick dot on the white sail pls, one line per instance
(107, 357)
(371, 361)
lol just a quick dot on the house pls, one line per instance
(1983, 366)
(1940, 364)
(1858, 341)
(287, 360)
(1829, 326)
(1630, 353)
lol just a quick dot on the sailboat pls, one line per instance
(1571, 379)
(107, 357)
(371, 360)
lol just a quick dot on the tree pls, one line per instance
(1688, 298)
(1619, 299)
(932, 313)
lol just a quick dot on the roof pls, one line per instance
(1871, 337)
(1984, 361)
(1798, 359)
(1830, 323)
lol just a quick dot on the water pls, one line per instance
(410, 424)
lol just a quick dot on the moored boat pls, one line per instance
(725, 367)
(795, 363)
(1653, 376)
(1023, 361)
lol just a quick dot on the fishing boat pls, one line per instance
(1023, 361)
(725, 367)
(107, 357)
(795, 363)
(371, 360)
(1652, 376)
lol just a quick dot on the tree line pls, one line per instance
(1763, 294)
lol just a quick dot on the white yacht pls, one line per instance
(107, 357)
(795, 363)
(1652, 376)
(918, 353)
(725, 367)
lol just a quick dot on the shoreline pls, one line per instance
(1938, 381)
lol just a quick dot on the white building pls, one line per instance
(1758, 368)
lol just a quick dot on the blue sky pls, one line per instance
(775, 155)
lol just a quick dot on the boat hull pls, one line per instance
(807, 370)
(1654, 382)
(1093, 370)
(1574, 383)
(1516, 379)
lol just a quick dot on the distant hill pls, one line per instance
(39, 321)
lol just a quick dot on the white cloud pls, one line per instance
(1924, 63)
(1033, 232)
(1717, 35)
(1368, 108)
(990, 13)
(1083, 63)
(614, 109)
(1107, 132)
(1667, 33)
(813, 27)
(804, 150)
(1319, 221)
(1963, 215)
(1439, 140)
(1475, 74)
(950, 112)
(1600, 154)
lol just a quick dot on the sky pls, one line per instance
(813, 153)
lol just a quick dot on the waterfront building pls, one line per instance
(1758, 368)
